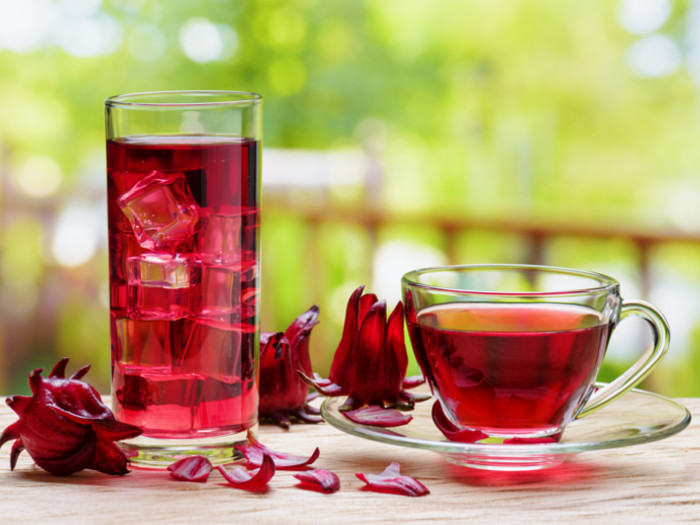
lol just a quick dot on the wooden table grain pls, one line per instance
(652, 483)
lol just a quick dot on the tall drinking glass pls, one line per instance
(183, 205)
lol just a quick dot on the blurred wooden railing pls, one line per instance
(537, 233)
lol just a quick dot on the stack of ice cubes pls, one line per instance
(194, 268)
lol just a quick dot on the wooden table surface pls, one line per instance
(652, 483)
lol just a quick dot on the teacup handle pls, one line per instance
(644, 365)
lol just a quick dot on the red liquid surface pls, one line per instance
(509, 369)
(183, 241)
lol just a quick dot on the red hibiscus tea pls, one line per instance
(183, 280)
(512, 351)
(183, 240)
(508, 368)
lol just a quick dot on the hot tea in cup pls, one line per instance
(514, 351)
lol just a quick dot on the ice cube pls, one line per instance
(228, 238)
(220, 240)
(217, 350)
(219, 294)
(161, 286)
(161, 210)
(225, 293)
(146, 342)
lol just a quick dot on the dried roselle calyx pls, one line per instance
(370, 363)
(65, 427)
(283, 391)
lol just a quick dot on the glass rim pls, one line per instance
(605, 282)
(140, 99)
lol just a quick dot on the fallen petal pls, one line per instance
(391, 480)
(452, 432)
(193, 468)
(252, 480)
(256, 452)
(377, 416)
(324, 479)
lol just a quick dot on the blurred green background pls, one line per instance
(397, 134)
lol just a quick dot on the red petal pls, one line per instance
(268, 343)
(80, 373)
(324, 386)
(114, 430)
(326, 480)
(17, 448)
(35, 380)
(278, 378)
(18, 403)
(377, 416)
(396, 358)
(253, 480)
(412, 398)
(343, 357)
(366, 303)
(77, 398)
(10, 433)
(192, 468)
(307, 414)
(298, 336)
(391, 480)
(109, 459)
(373, 330)
(368, 370)
(452, 432)
(413, 381)
(256, 452)
(59, 370)
(62, 465)
(280, 418)
(311, 396)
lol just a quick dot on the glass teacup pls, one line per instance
(513, 351)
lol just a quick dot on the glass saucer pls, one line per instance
(635, 418)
